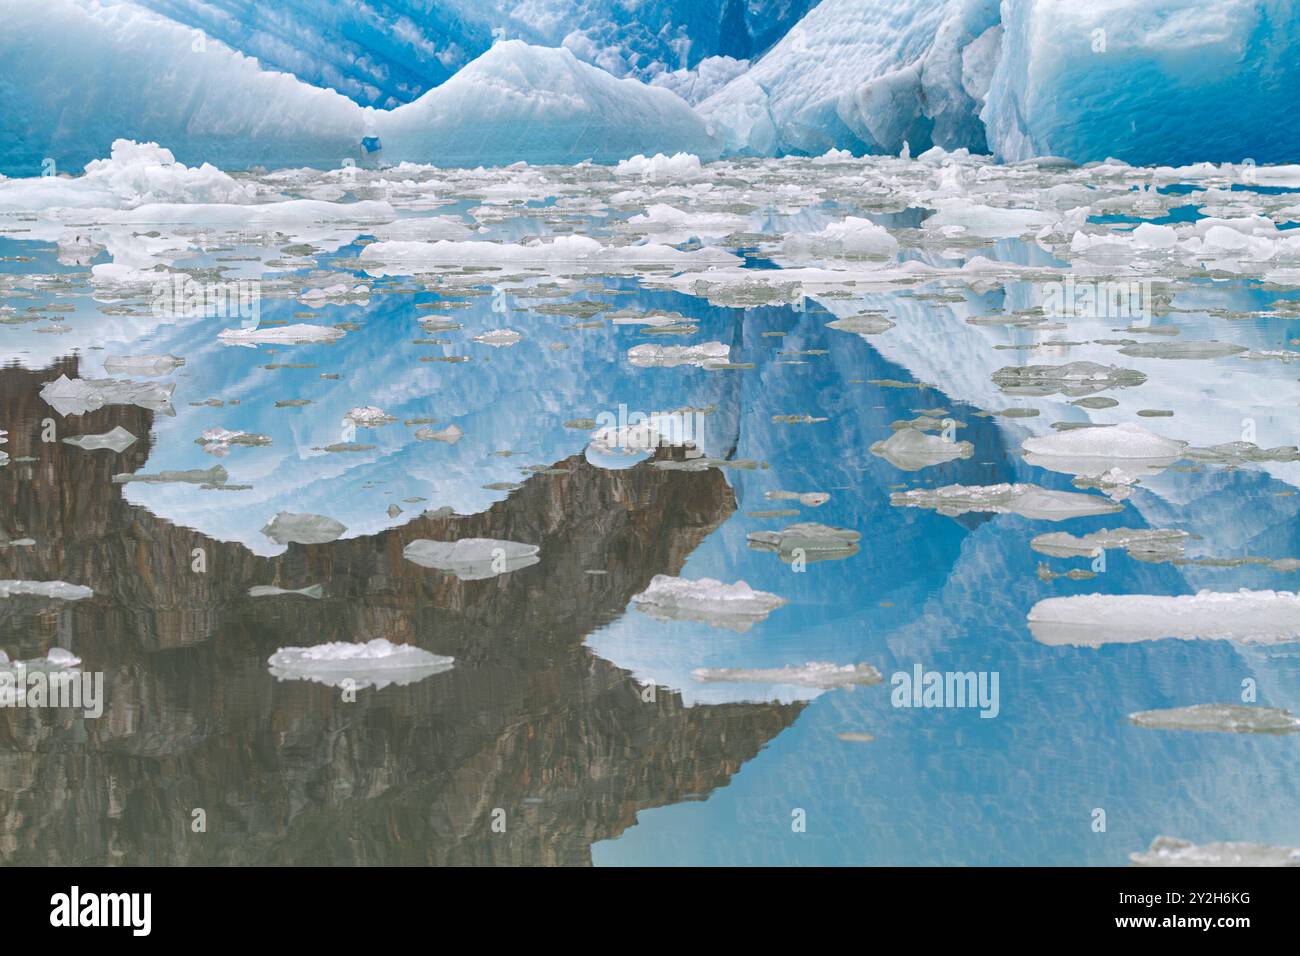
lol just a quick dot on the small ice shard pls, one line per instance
(863, 325)
(1171, 851)
(118, 439)
(55, 590)
(1241, 452)
(288, 528)
(270, 590)
(852, 238)
(1093, 620)
(76, 396)
(737, 607)
(472, 559)
(912, 450)
(376, 663)
(1028, 501)
(855, 737)
(1154, 545)
(807, 541)
(368, 416)
(1220, 718)
(216, 475)
(280, 335)
(809, 499)
(498, 338)
(1096, 449)
(1181, 350)
(703, 355)
(394, 510)
(1073, 379)
(217, 441)
(818, 674)
(450, 435)
(145, 366)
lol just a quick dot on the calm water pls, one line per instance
(568, 714)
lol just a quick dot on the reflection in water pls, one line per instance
(529, 727)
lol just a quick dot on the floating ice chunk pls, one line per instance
(1241, 452)
(76, 396)
(368, 416)
(300, 334)
(819, 674)
(912, 450)
(472, 559)
(1182, 350)
(1073, 379)
(703, 355)
(288, 528)
(661, 168)
(55, 590)
(809, 499)
(118, 439)
(737, 607)
(807, 541)
(1143, 544)
(217, 441)
(146, 366)
(852, 238)
(1098, 449)
(376, 663)
(499, 337)
(449, 435)
(1171, 851)
(271, 590)
(1092, 620)
(987, 221)
(672, 225)
(862, 325)
(1028, 501)
(571, 252)
(341, 292)
(1220, 718)
(208, 477)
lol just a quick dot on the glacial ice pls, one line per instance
(287, 528)
(69, 396)
(116, 439)
(911, 449)
(1028, 501)
(737, 607)
(1093, 620)
(818, 674)
(58, 590)
(807, 540)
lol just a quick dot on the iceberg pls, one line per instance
(1093, 620)
(56, 590)
(819, 674)
(1171, 851)
(1220, 718)
(1028, 501)
(286, 528)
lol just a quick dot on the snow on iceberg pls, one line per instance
(376, 663)
(737, 607)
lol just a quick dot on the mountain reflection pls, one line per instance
(529, 727)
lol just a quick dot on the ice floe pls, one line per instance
(736, 607)
(1093, 620)
(472, 559)
(1028, 501)
(1171, 851)
(376, 663)
(1220, 718)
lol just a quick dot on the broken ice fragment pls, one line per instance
(1143, 544)
(1028, 501)
(1220, 718)
(288, 528)
(280, 335)
(1071, 379)
(1181, 350)
(217, 441)
(368, 416)
(376, 663)
(809, 499)
(450, 435)
(912, 450)
(1092, 620)
(703, 355)
(145, 366)
(863, 325)
(818, 674)
(216, 475)
(1171, 851)
(807, 540)
(55, 590)
(1096, 449)
(472, 559)
(270, 590)
(498, 338)
(737, 607)
(118, 440)
(76, 396)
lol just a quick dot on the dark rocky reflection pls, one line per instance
(528, 720)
